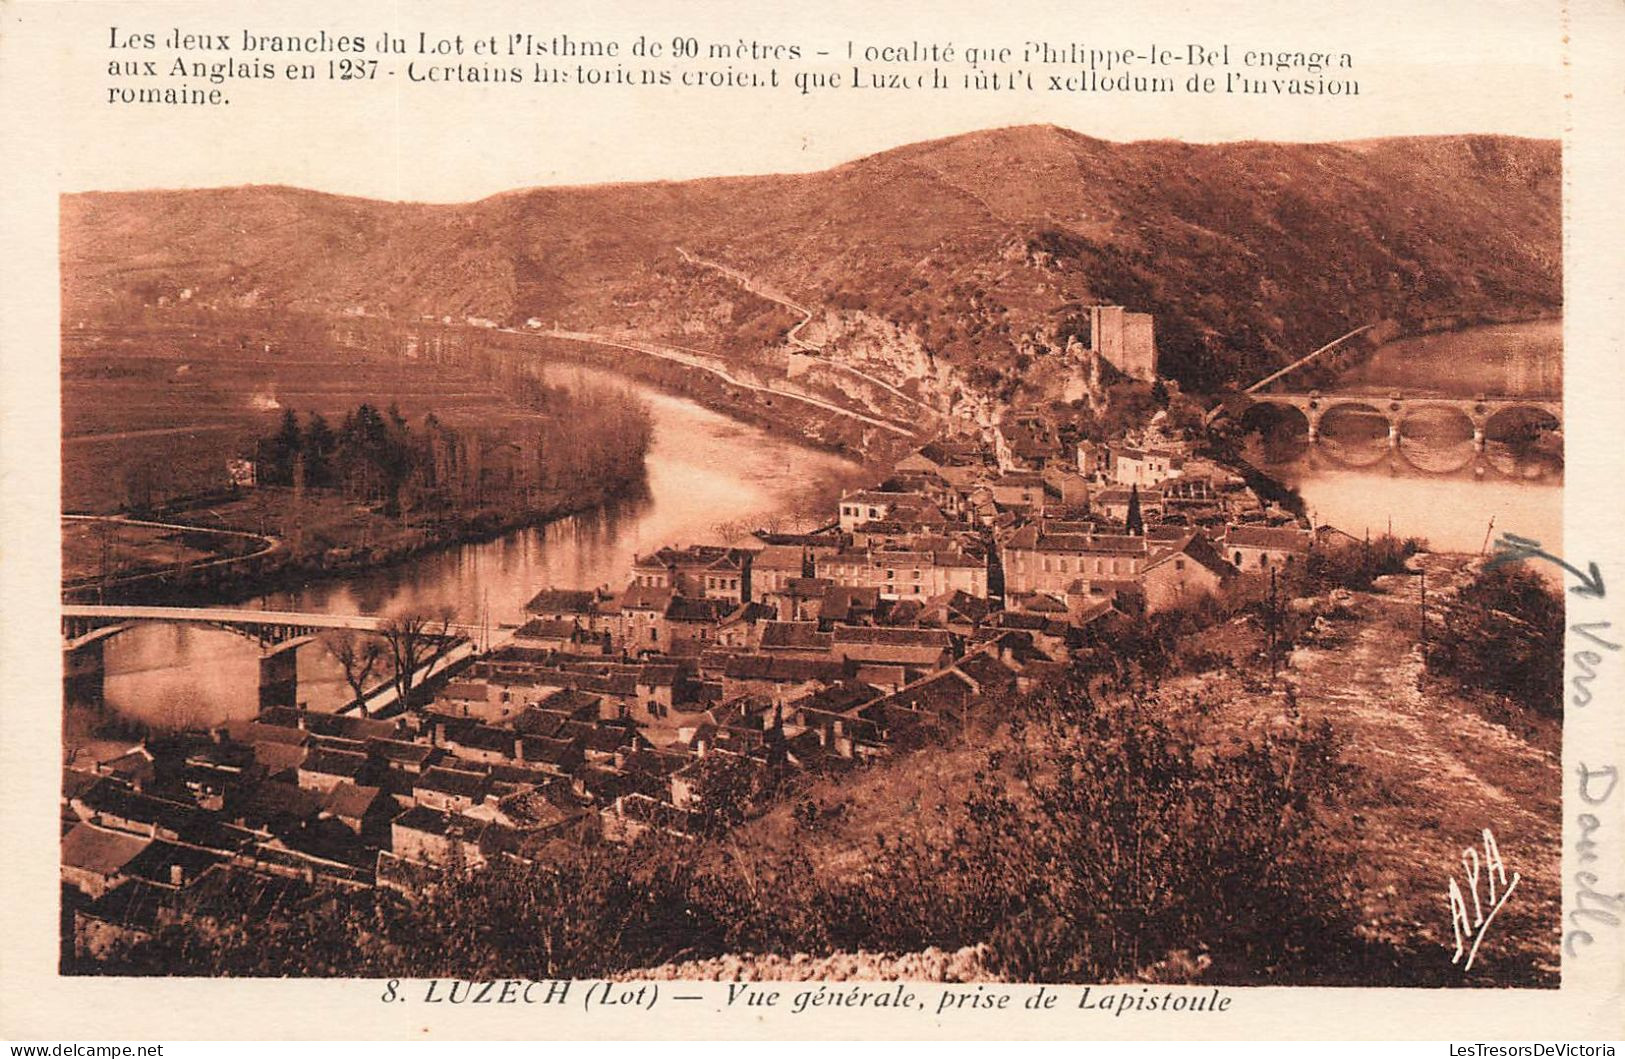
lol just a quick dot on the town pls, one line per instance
(976, 568)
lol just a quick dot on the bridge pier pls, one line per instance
(84, 674)
(279, 675)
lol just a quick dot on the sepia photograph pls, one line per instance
(1011, 557)
(736, 521)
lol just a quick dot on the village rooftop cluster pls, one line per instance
(974, 570)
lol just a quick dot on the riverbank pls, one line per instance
(329, 540)
(782, 415)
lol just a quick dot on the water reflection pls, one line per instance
(1446, 495)
(705, 472)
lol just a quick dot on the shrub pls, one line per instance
(1503, 636)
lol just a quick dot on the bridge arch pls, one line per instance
(1438, 436)
(1283, 428)
(1517, 440)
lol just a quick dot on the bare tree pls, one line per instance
(730, 531)
(412, 637)
(361, 657)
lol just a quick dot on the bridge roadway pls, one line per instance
(87, 616)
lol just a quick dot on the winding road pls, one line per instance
(268, 545)
(793, 336)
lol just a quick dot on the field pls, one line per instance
(152, 412)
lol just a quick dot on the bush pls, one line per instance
(1090, 842)
(1503, 636)
(1357, 566)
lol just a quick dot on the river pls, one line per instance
(706, 470)
(708, 475)
(1434, 488)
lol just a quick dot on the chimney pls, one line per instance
(519, 747)
(177, 875)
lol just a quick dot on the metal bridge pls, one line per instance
(86, 628)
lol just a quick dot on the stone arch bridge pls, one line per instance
(1478, 411)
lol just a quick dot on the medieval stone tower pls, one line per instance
(1125, 340)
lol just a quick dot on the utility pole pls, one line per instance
(1274, 619)
(1424, 604)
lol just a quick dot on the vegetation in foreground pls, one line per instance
(1091, 841)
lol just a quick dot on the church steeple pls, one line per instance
(1136, 524)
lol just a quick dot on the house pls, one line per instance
(450, 789)
(987, 672)
(642, 617)
(558, 634)
(1069, 485)
(956, 462)
(833, 715)
(557, 756)
(1018, 489)
(657, 684)
(361, 809)
(399, 754)
(795, 639)
(93, 858)
(914, 649)
(904, 572)
(134, 766)
(776, 679)
(800, 599)
(426, 835)
(484, 743)
(634, 814)
(1114, 503)
(774, 567)
(323, 768)
(1026, 442)
(848, 605)
(171, 866)
(1183, 572)
(564, 604)
(1146, 467)
(1036, 559)
(274, 808)
(871, 505)
(958, 612)
(134, 910)
(700, 571)
(693, 620)
(1258, 548)
(1094, 460)
(741, 626)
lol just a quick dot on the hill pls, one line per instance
(976, 248)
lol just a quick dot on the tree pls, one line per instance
(360, 657)
(319, 445)
(412, 637)
(284, 446)
(1136, 522)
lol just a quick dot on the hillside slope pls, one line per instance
(977, 245)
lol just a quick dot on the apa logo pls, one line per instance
(1475, 926)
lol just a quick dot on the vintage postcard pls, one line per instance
(736, 519)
